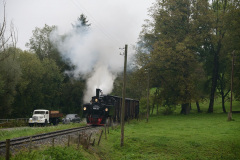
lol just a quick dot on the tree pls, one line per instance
(135, 88)
(9, 66)
(41, 44)
(39, 86)
(52, 80)
(29, 88)
(9, 40)
(9, 77)
(187, 47)
(81, 22)
(172, 51)
(72, 96)
(231, 43)
(216, 46)
(222, 41)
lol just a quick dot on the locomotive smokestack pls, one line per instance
(97, 92)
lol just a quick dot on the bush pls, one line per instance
(14, 123)
(168, 109)
(143, 106)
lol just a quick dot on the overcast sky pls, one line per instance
(118, 20)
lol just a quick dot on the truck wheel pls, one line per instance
(30, 125)
(45, 124)
(54, 122)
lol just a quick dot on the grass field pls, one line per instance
(195, 136)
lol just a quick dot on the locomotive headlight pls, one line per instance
(96, 100)
(106, 109)
(84, 108)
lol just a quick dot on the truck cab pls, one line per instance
(40, 117)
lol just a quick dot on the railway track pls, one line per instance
(40, 137)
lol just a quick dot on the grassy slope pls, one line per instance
(196, 136)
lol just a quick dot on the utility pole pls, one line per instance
(230, 112)
(123, 96)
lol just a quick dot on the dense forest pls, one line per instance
(184, 54)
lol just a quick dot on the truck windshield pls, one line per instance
(39, 112)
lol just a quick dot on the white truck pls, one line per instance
(43, 117)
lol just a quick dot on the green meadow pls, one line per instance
(195, 136)
(201, 136)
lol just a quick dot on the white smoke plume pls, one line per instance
(95, 52)
(94, 55)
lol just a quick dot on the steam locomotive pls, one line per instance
(102, 107)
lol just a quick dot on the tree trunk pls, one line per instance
(221, 80)
(153, 107)
(216, 51)
(157, 108)
(185, 108)
(214, 83)
(198, 107)
(214, 76)
(223, 99)
(223, 102)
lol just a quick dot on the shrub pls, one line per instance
(14, 123)
(143, 105)
(168, 109)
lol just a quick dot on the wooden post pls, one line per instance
(100, 137)
(93, 142)
(108, 124)
(7, 149)
(123, 96)
(79, 138)
(105, 128)
(52, 142)
(112, 123)
(108, 128)
(89, 138)
(68, 140)
(30, 144)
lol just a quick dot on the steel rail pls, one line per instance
(22, 140)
